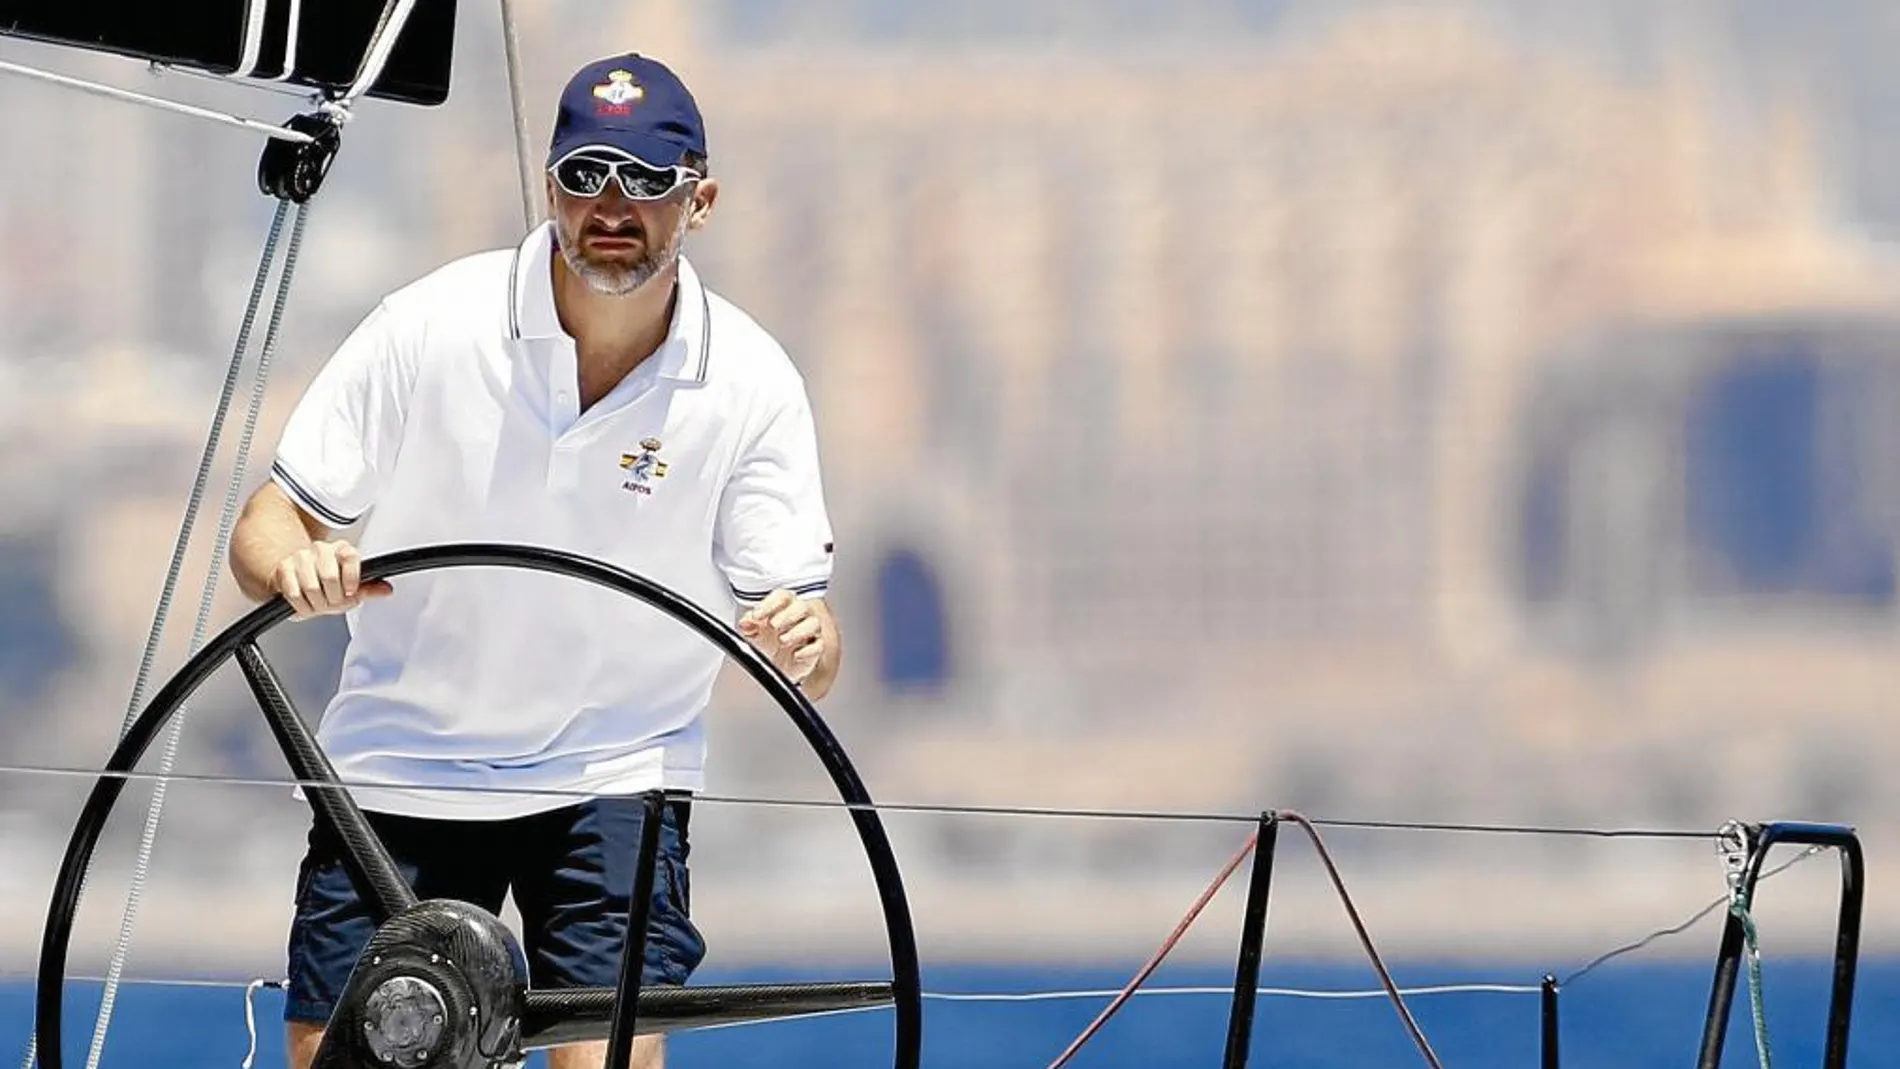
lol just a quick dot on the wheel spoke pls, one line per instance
(371, 869)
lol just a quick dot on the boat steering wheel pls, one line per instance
(511, 1017)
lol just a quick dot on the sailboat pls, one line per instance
(441, 984)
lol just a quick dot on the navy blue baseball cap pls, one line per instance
(630, 103)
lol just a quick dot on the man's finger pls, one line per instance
(801, 633)
(770, 605)
(805, 662)
(292, 590)
(349, 565)
(308, 584)
(329, 573)
(789, 615)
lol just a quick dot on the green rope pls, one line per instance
(1736, 842)
(1757, 1007)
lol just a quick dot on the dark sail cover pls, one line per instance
(317, 44)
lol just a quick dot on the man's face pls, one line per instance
(613, 241)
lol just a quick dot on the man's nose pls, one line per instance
(612, 206)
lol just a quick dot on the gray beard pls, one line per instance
(614, 280)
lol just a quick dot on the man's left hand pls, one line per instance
(790, 630)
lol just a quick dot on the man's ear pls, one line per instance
(704, 196)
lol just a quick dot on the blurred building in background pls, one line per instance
(1458, 411)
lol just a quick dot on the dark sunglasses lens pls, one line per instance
(641, 182)
(582, 177)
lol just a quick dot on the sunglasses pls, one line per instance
(581, 175)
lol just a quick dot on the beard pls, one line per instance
(616, 278)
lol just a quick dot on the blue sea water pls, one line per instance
(1629, 1015)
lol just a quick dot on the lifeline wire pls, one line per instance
(880, 807)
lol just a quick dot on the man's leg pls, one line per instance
(649, 1052)
(439, 859)
(574, 885)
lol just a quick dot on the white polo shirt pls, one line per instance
(451, 414)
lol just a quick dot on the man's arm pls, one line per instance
(773, 541)
(329, 468)
(278, 548)
(800, 635)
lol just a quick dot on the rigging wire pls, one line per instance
(511, 47)
(381, 46)
(162, 104)
(173, 574)
(227, 519)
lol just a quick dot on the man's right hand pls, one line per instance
(325, 579)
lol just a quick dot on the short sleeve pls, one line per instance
(773, 531)
(342, 436)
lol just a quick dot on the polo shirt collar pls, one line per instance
(683, 355)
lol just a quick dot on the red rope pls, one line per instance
(1352, 913)
(1365, 939)
(1167, 946)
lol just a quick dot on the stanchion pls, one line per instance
(1253, 931)
(633, 955)
(1548, 998)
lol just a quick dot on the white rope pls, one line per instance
(1264, 992)
(250, 1022)
(254, 985)
(160, 103)
(524, 151)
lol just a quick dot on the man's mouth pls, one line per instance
(616, 239)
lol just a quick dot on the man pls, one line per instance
(583, 391)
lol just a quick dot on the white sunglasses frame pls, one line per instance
(683, 176)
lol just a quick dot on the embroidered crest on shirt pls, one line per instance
(642, 467)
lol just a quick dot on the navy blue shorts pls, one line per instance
(571, 871)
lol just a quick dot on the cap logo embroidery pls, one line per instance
(617, 94)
